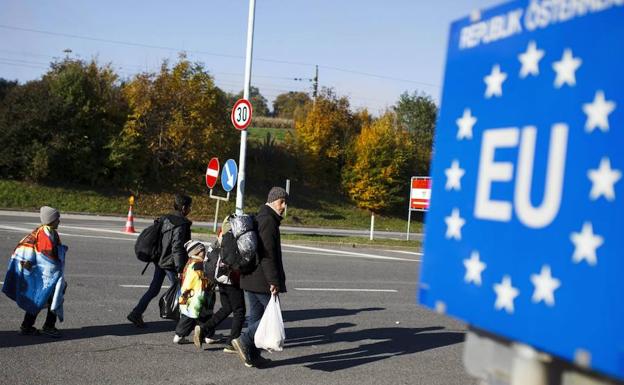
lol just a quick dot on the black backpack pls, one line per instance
(239, 251)
(148, 245)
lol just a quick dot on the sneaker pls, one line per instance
(214, 339)
(29, 331)
(136, 319)
(180, 340)
(197, 337)
(51, 331)
(241, 349)
(229, 349)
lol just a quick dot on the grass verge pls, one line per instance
(340, 240)
(312, 210)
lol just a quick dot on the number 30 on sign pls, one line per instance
(241, 114)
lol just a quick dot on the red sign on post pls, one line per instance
(420, 193)
(212, 172)
(241, 114)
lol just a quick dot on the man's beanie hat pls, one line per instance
(276, 193)
(194, 247)
(48, 215)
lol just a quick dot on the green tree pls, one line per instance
(258, 102)
(88, 112)
(379, 160)
(285, 105)
(322, 135)
(25, 123)
(178, 119)
(57, 128)
(417, 113)
(6, 86)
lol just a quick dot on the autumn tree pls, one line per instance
(417, 114)
(322, 136)
(178, 119)
(285, 105)
(259, 103)
(378, 165)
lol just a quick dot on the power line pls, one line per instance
(133, 44)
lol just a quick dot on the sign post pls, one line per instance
(524, 240)
(243, 146)
(420, 193)
(212, 173)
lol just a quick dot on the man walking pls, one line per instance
(175, 232)
(267, 279)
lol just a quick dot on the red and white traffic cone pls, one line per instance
(130, 222)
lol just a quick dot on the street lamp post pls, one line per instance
(240, 189)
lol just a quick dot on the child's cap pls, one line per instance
(194, 247)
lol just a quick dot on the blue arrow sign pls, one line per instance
(229, 175)
(524, 235)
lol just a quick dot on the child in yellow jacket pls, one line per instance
(196, 293)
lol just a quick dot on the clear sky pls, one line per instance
(370, 51)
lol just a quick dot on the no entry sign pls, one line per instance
(212, 172)
(241, 114)
(420, 193)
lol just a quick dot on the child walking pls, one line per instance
(232, 301)
(196, 293)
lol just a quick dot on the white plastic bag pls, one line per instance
(270, 334)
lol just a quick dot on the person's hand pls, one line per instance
(274, 289)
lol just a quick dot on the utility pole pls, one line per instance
(315, 85)
(314, 81)
(240, 188)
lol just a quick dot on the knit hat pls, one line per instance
(276, 193)
(194, 247)
(48, 215)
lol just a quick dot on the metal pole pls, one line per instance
(214, 228)
(409, 219)
(287, 192)
(240, 189)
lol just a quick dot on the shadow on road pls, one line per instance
(307, 314)
(9, 339)
(386, 343)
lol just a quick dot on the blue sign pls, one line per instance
(229, 175)
(525, 234)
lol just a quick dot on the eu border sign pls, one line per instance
(525, 229)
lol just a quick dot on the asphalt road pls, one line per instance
(350, 318)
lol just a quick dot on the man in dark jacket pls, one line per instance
(267, 279)
(175, 232)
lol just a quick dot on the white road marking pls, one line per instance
(311, 253)
(94, 229)
(351, 254)
(25, 230)
(354, 290)
(404, 252)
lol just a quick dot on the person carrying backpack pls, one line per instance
(174, 233)
(268, 277)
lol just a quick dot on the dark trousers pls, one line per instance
(257, 303)
(154, 288)
(29, 319)
(232, 301)
(186, 324)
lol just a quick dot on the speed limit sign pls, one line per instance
(241, 114)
